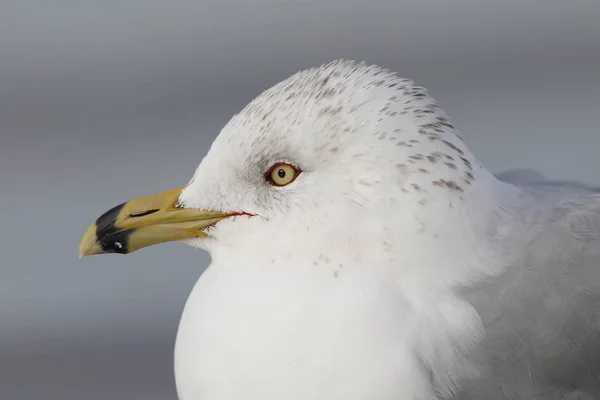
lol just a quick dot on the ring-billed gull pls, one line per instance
(360, 251)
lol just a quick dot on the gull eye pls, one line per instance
(282, 174)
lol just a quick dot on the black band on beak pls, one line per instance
(110, 239)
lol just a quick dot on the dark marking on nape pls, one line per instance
(447, 125)
(432, 158)
(469, 178)
(434, 126)
(432, 136)
(266, 114)
(327, 93)
(453, 147)
(467, 163)
(450, 165)
(448, 184)
(328, 110)
(424, 111)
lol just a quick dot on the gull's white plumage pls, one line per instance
(370, 277)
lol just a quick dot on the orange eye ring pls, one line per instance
(282, 174)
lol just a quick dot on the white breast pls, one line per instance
(316, 333)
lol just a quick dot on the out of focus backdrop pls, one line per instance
(103, 101)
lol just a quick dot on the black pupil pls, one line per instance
(281, 173)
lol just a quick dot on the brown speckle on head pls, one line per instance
(324, 258)
(450, 165)
(453, 147)
(328, 93)
(267, 114)
(448, 185)
(331, 111)
(432, 158)
(372, 128)
(467, 163)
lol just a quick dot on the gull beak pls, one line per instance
(146, 221)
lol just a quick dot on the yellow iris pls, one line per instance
(282, 174)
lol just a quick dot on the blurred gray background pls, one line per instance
(109, 100)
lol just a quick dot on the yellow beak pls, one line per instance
(144, 222)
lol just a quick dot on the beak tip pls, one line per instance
(89, 244)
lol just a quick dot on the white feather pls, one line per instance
(350, 282)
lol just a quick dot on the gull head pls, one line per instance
(346, 156)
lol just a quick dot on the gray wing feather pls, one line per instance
(521, 176)
(528, 178)
(542, 316)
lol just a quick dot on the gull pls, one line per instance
(360, 251)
